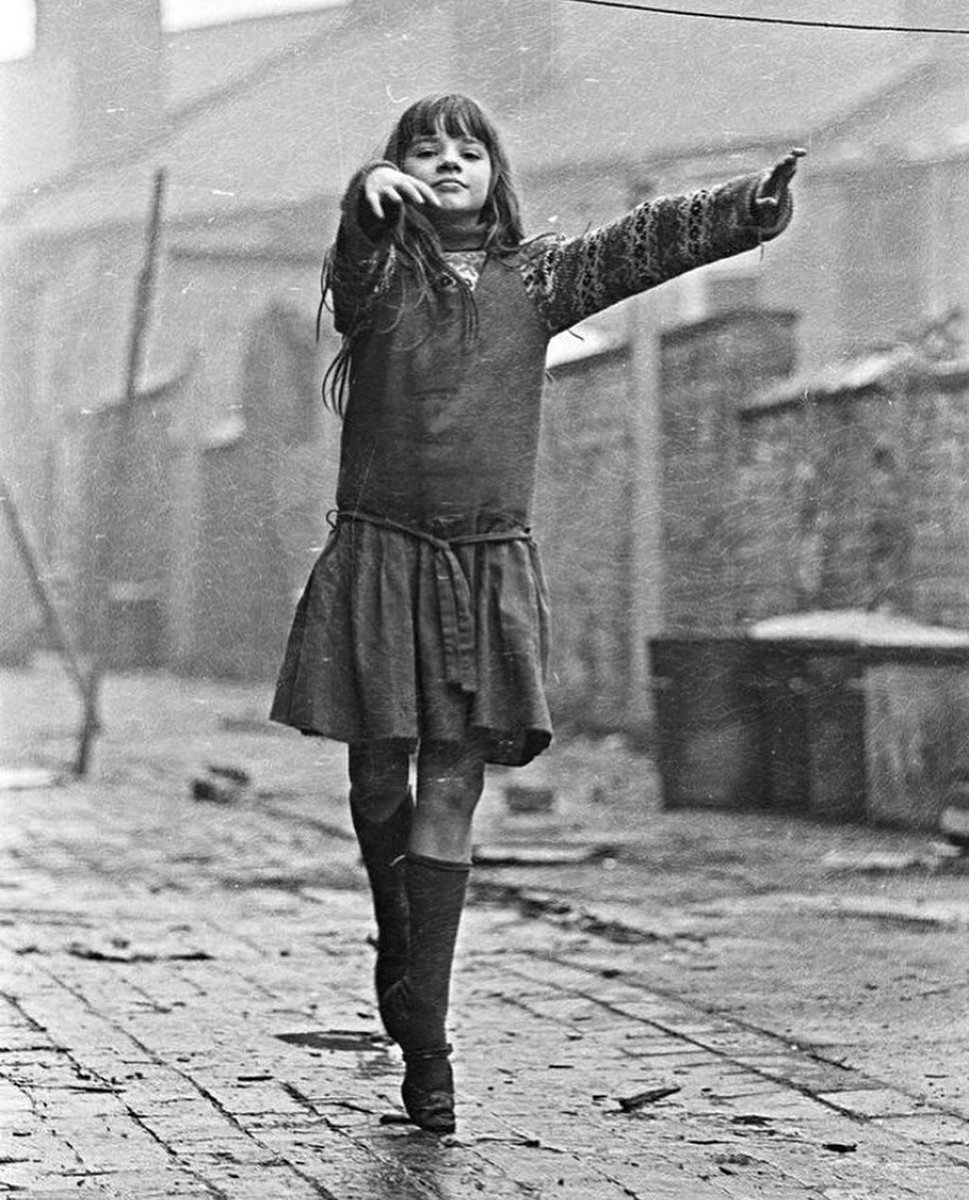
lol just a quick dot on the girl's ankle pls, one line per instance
(415, 1027)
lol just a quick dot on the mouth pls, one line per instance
(449, 183)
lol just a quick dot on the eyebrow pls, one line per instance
(465, 139)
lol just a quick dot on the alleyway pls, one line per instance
(697, 1005)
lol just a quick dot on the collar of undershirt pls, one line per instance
(461, 237)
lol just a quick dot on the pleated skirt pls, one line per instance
(370, 655)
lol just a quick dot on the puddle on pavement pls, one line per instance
(336, 1039)
(373, 1049)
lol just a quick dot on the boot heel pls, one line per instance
(428, 1090)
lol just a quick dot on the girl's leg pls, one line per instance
(449, 784)
(450, 779)
(382, 809)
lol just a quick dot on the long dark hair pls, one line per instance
(413, 242)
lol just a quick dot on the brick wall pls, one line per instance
(854, 493)
(582, 524)
(938, 474)
(709, 369)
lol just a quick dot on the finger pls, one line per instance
(428, 193)
(788, 164)
(778, 179)
(420, 192)
(389, 192)
(411, 191)
(784, 174)
(373, 199)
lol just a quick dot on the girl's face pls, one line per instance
(458, 168)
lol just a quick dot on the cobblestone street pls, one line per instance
(187, 1008)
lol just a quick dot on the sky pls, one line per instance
(17, 17)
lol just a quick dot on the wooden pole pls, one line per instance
(87, 683)
(116, 441)
(642, 416)
(144, 291)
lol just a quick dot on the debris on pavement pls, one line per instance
(222, 785)
(120, 951)
(530, 1141)
(727, 1161)
(650, 1096)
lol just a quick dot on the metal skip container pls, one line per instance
(865, 715)
(842, 715)
(708, 721)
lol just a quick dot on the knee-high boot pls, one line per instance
(414, 1010)
(383, 845)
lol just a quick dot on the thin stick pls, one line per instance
(143, 294)
(86, 683)
(136, 344)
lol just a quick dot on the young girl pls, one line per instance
(424, 624)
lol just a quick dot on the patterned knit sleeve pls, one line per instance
(569, 279)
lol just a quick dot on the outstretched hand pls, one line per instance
(772, 191)
(386, 183)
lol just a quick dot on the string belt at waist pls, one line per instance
(453, 590)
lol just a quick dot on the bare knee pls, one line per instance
(450, 779)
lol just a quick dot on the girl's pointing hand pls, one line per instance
(772, 191)
(387, 184)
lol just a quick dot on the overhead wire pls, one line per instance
(754, 20)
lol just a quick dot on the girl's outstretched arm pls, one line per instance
(356, 266)
(571, 279)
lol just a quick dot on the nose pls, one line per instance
(448, 163)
